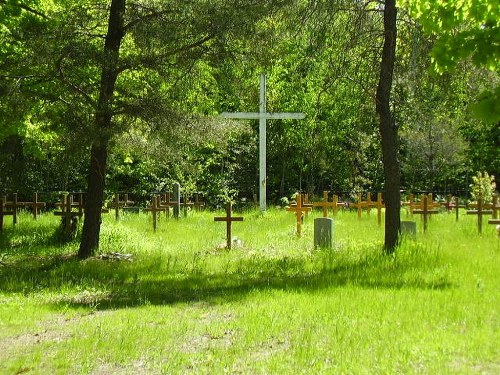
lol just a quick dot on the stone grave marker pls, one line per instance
(229, 220)
(323, 232)
(409, 228)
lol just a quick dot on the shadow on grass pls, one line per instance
(214, 278)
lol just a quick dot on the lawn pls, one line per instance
(182, 304)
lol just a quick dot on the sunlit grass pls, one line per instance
(274, 304)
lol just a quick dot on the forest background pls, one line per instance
(182, 63)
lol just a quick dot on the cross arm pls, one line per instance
(266, 115)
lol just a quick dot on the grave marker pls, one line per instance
(177, 199)
(155, 208)
(299, 210)
(262, 116)
(358, 205)
(481, 209)
(409, 228)
(69, 217)
(324, 204)
(379, 205)
(323, 232)
(425, 211)
(3, 212)
(117, 204)
(198, 205)
(229, 220)
(36, 205)
(13, 205)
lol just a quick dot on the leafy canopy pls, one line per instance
(466, 29)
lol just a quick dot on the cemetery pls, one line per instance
(250, 187)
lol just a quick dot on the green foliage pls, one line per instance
(483, 186)
(466, 29)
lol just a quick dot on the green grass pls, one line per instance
(275, 305)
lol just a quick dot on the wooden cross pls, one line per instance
(186, 203)
(262, 116)
(359, 205)
(336, 204)
(228, 219)
(324, 204)
(155, 208)
(299, 210)
(66, 211)
(495, 206)
(13, 205)
(198, 205)
(3, 212)
(36, 205)
(378, 205)
(481, 209)
(117, 204)
(425, 211)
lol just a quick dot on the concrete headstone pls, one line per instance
(323, 232)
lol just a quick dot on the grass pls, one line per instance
(274, 305)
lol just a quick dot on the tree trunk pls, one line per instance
(104, 112)
(388, 130)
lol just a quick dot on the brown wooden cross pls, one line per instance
(299, 210)
(425, 211)
(324, 204)
(337, 204)
(359, 205)
(198, 205)
(495, 206)
(378, 205)
(13, 205)
(117, 204)
(66, 211)
(155, 208)
(186, 203)
(36, 205)
(3, 212)
(480, 210)
(228, 219)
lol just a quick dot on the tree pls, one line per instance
(388, 130)
(104, 113)
(465, 30)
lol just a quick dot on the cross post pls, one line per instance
(481, 209)
(228, 219)
(324, 204)
(299, 210)
(425, 211)
(262, 116)
(3, 212)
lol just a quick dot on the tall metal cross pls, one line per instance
(262, 116)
